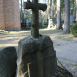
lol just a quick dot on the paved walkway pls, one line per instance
(66, 52)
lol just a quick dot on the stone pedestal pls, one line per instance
(36, 57)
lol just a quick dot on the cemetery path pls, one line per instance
(66, 52)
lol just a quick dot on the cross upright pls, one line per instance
(35, 6)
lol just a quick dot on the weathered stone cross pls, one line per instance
(36, 57)
(35, 6)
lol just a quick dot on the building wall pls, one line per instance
(16, 13)
(2, 24)
(11, 14)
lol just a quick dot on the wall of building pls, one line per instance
(2, 24)
(11, 14)
(16, 13)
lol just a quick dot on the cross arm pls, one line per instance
(42, 7)
(29, 5)
(32, 5)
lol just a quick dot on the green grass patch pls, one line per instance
(75, 65)
(2, 45)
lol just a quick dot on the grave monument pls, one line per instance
(8, 57)
(50, 23)
(71, 19)
(27, 23)
(36, 55)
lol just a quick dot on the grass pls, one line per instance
(75, 65)
(2, 45)
(17, 35)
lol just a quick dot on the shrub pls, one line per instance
(45, 25)
(74, 29)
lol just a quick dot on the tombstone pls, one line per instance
(27, 23)
(71, 19)
(36, 55)
(8, 64)
(50, 23)
(43, 24)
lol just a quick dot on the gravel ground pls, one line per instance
(66, 52)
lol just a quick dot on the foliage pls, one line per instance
(45, 25)
(74, 29)
(62, 5)
(28, 13)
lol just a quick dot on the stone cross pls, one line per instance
(36, 55)
(35, 6)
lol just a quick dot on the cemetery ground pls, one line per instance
(64, 44)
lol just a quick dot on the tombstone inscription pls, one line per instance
(36, 55)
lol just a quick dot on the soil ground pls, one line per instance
(65, 45)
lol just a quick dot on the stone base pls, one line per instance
(36, 57)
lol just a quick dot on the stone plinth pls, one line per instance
(36, 57)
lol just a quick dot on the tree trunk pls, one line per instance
(59, 26)
(49, 9)
(76, 11)
(73, 10)
(66, 29)
(40, 13)
(52, 8)
(46, 16)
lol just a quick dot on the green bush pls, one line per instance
(74, 29)
(45, 25)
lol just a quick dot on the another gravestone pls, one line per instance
(27, 23)
(71, 19)
(8, 64)
(50, 23)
